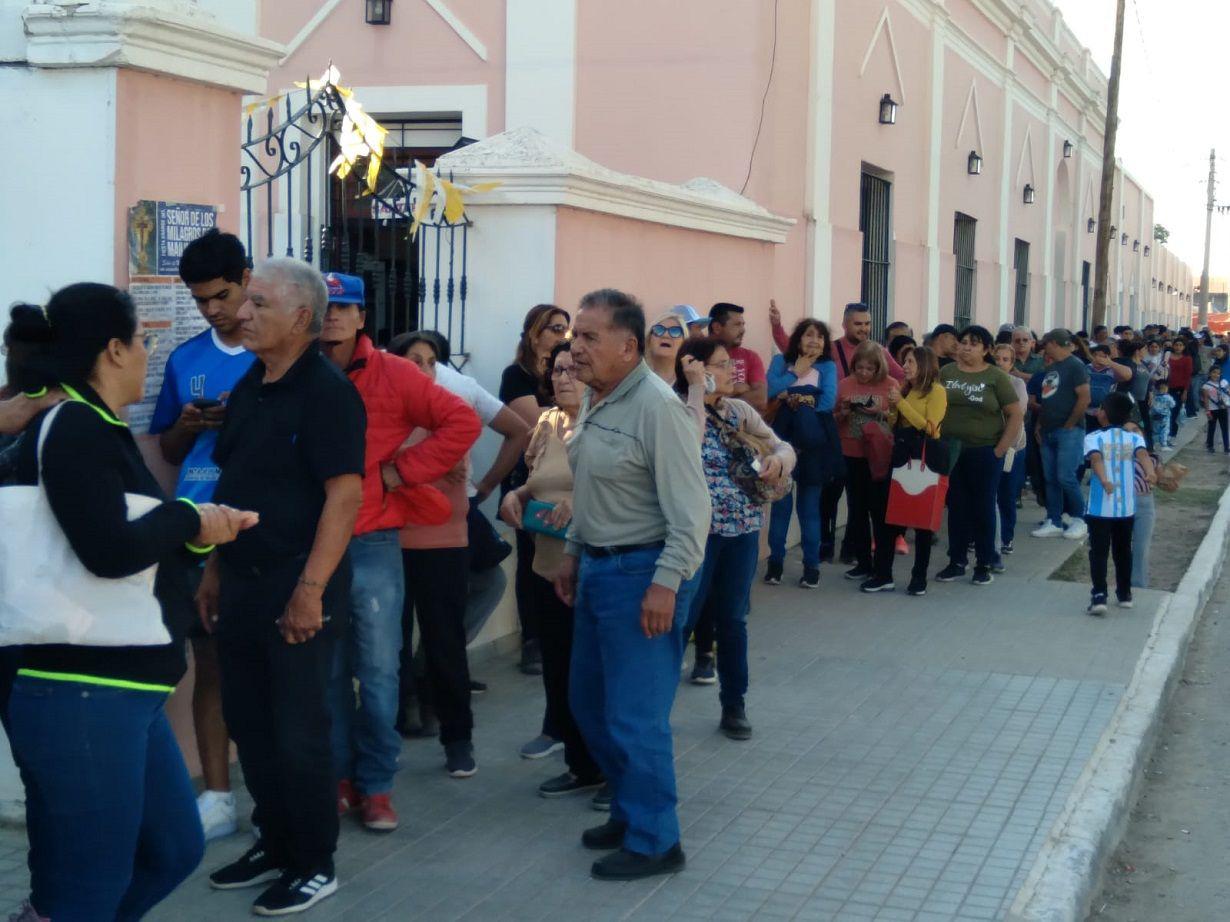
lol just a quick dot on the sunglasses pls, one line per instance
(559, 329)
(661, 329)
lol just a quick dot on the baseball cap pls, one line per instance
(344, 289)
(1059, 336)
(943, 328)
(688, 314)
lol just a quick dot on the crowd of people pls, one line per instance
(326, 505)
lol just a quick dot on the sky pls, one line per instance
(1171, 109)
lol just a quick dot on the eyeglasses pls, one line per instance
(150, 342)
(661, 329)
(723, 364)
(563, 371)
(559, 329)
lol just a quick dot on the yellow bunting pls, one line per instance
(427, 189)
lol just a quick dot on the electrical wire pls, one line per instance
(763, 99)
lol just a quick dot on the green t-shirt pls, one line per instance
(976, 402)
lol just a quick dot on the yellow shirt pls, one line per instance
(924, 412)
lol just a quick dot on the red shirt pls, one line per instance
(746, 367)
(1180, 370)
(399, 398)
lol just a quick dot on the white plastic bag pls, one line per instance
(46, 593)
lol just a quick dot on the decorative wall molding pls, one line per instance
(463, 32)
(174, 38)
(326, 9)
(535, 170)
(1026, 170)
(971, 105)
(884, 29)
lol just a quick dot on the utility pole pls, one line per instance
(1208, 241)
(1102, 253)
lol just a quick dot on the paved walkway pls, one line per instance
(909, 758)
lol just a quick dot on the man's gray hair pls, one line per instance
(305, 282)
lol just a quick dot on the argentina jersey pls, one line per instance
(1118, 449)
(202, 367)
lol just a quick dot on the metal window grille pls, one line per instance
(1085, 270)
(964, 229)
(1020, 263)
(873, 221)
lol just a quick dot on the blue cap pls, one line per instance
(344, 289)
(688, 314)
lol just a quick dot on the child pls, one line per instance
(1215, 396)
(1111, 508)
(1159, 414)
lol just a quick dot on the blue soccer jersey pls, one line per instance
(206, 367)
(1118, 449)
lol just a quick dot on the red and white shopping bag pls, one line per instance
(916, 496)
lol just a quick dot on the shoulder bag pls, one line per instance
(746, 452)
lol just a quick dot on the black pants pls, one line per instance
(523, 586)
(704, 633)
(886, 551)
(436, 590)
(555, 622)
(1110, 537)
(1218, 419)
(864, 498)
(1180, 400)
(275, 699)
(830, 498)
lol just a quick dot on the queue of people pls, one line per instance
(326, 505)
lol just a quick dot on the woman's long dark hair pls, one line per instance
(62, 342)
(547, 384)
(702, 350)
(795, 346)
(981, 335)
(538, 317)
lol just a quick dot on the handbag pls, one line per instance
(746, 451)
(487, 548)
(878, 449)
(916, 495)
(47, 596)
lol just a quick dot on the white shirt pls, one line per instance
(481, 401)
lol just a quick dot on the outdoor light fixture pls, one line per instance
(379, 12)
(888, 110)
(1091, 225)
(975, 163)
(1135, 246)
(1123, 240)
(1029, 194)
(1148, 249)
(1113, 230)
(1067, 150)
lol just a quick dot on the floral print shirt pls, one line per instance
(734, 512)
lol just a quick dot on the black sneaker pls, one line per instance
(626, 865)
(950, 574)
(1097, 604)
(565, 784)
(810, 579)
(858, 573)
(876, 584)
(704, 672)
(531, 658)
(459, 759)
(602, 800)
(982, 576)
(1006, 548)
(478, 688)
(917, 587)
(735, 723)
(295, 892)
(254, 867)
(773, 573)
(605, 837)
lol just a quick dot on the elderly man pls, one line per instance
(1026, 363)
(399, 399)
(640, 521)
(291, 448)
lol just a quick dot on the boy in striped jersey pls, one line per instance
(1111, 452)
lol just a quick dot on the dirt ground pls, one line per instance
(1171, 864)
(1183, 519)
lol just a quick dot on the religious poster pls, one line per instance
(157, 235)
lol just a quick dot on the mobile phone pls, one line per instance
(206, 403)
(710, 383)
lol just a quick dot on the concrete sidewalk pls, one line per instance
(910, 756)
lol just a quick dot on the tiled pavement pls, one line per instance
(909, 758)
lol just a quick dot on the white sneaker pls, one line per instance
(1077, 530)
(1047, 530)
(218, 815)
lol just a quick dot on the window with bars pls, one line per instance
(1020, 262)
(964, 229)
(874, 216)
(1085, 271)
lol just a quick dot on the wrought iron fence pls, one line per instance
(289, 195)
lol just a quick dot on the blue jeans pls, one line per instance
(1142, 535)
(365, 741)
(724, 591)
(621, 688)
(809, 525)
(1062, 453)
(1010, 484)
(110, 811)
(972, 487)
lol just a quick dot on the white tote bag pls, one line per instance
(48, 596)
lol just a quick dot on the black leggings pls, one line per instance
(1111, 537)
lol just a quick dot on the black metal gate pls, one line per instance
(963, 235)
(874, 218)
(293, 206)
(1020, 263)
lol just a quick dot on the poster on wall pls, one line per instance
(157, 235)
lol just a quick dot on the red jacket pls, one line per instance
(399, 398)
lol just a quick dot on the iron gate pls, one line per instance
(874, 218)
(293, 206)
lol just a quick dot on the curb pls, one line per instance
(1067, 873)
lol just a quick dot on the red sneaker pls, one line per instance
(378, 813)
(348, 799)
(901, 547)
